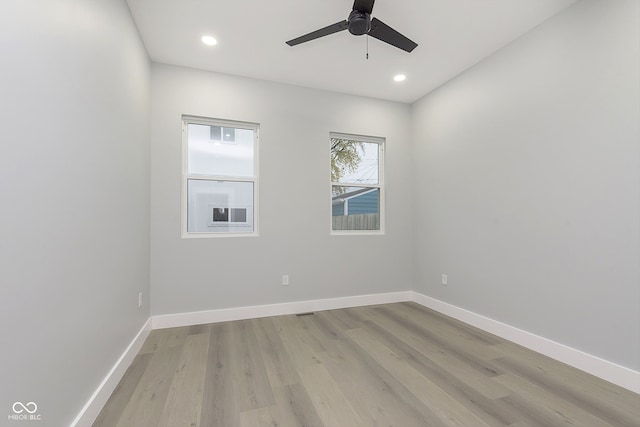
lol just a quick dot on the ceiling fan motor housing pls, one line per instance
(359, 23)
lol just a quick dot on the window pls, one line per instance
(357, 191)
(220, 179)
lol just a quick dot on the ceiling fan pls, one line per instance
(359, 23)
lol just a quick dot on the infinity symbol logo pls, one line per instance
(20, 407)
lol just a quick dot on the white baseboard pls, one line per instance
(594, 365)
(609, 371)
(604, 369)
(253, 312)
(94, 405)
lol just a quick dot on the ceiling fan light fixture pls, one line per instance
(399, 77)
(209, 41)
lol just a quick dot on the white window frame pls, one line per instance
(380, 185)
(186, 176)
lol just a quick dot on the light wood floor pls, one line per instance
(388, 365)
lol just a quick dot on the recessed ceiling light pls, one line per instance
(399, 77)
(208, 40)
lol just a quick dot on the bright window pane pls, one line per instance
(220, 151)
(355, 208)
(219, 206)
(354, 162)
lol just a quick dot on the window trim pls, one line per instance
(381, 141)
(185, 176)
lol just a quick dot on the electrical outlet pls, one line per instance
(285, 280)
(445, 280)
(140, 300)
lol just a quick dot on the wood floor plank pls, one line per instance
(183, 405)
(148, 399)
(199, 329)
(450, 411)
(293, 407)
(475, 372)
(296, 342)
(249, 373)
(552, 408)
(330, 402)
(257, 417)
(278, 364)
(593, 391)
(376, 396)
(431, 316)
(467, 339)
(493, 412)
(123, 392)
(219, 403)
(344, 319)
(577, 393)
(320, 328)
(169, 337)
(453, 340)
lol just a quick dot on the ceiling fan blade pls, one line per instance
(365, 6)
(334, 28)
(385, 33)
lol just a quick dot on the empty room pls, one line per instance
(320, 213)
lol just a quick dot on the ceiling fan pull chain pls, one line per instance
(367, 46)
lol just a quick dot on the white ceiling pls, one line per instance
(452, 35)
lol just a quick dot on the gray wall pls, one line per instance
(74, 167)
(295, 205)
(527, 167)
